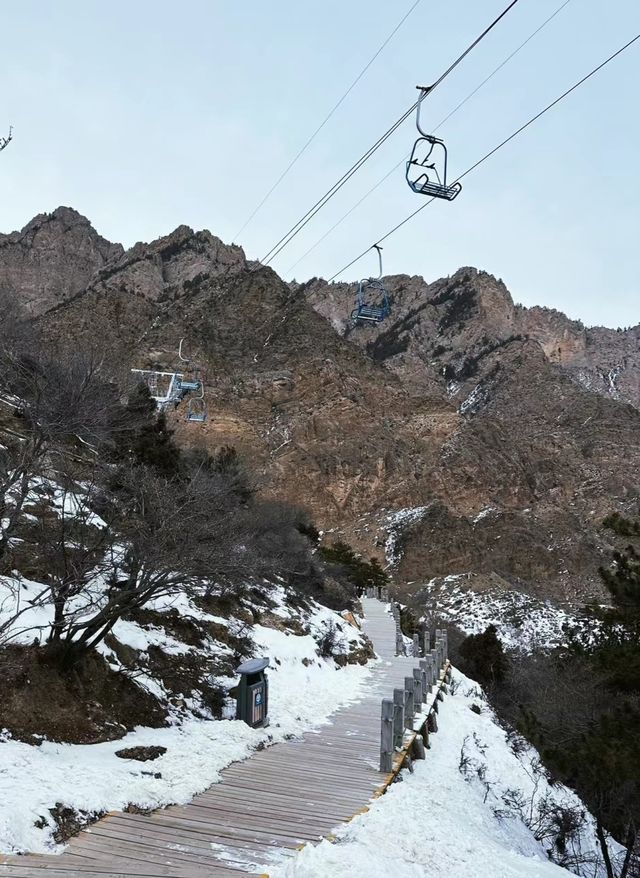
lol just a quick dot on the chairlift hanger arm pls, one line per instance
(4, 141)
(424, 91)
(184, 359)
(378, 248)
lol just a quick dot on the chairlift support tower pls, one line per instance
(176, 387)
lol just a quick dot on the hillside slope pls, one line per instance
(460, 403)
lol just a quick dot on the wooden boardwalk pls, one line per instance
(264, 808)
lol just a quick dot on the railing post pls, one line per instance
(426, 664)
(399, 643)
(408, 703)
(426, 641)
(417, 689)
(416, 646)
(425, 678)
(386, 735)
(398, 717)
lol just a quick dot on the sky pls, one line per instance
(144, 116)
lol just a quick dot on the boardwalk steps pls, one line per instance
(280, 799)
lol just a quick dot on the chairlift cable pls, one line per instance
(308, 143)
(297, 228)
(495, 149)
(436, 128)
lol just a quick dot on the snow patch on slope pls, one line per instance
(394, 524)
(522, 622)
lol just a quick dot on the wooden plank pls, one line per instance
(18, 871)
(68, 863)
(193, 842)
(244, 806)
(149, 849)
(287, 799)
(118, 849)
(263, 834)
(181, 834)
(221, 814)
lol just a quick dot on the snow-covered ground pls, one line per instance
(304, 690)
(472, 808)
(522, 622)
(395, 523)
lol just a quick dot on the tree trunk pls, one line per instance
(630, 842)
(603, 847)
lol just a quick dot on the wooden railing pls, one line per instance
(409, 717)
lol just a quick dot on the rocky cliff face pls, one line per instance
(53, 258)
(473, 429)
(449, 327)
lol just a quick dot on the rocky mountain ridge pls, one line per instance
(449, 326)
(461, 402)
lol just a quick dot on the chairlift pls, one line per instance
(372, 300)
(172, 387)
(422, 172)
(189, 385)
(197, 409)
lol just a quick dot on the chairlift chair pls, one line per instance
(422, 171)
(197, 410)
(372, 300)
(189, 385)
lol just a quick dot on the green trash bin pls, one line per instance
(252, 693)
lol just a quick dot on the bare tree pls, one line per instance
(167, 536)
(62, 403)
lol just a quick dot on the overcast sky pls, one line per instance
(149, 114)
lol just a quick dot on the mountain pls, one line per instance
(469, 433)
(450, 329)
(53, 258)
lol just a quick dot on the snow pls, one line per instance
(442, 821)
(484, 513)
(27, 602)
(137, 637)
(473, 402)
(395, 523)
(304, 695)
(522, 622)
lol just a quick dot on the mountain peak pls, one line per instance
(53, 258)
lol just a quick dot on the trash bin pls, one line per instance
(252, 693)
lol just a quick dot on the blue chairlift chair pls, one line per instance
(422, 171)
(372, 300)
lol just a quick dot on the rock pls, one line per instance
(53, 259)
(141, 754)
